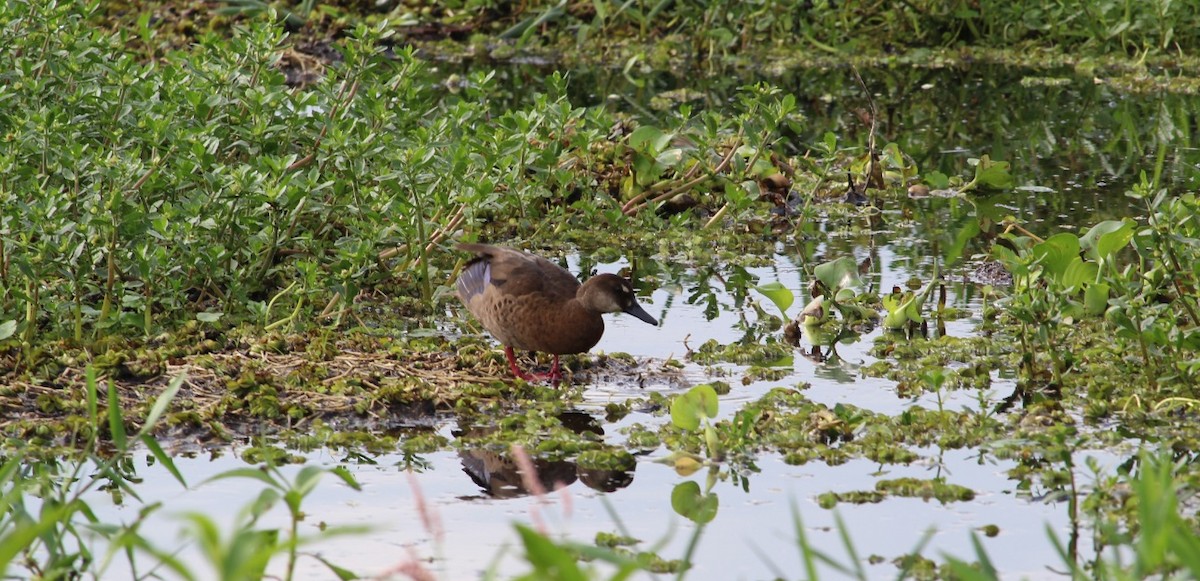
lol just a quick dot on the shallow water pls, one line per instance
(752, 537)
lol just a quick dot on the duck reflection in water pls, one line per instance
(499, 475)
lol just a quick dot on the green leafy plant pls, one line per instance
(50, 540)
(905, 308)
(779, 295)
(694, 409)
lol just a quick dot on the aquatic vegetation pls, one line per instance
(48, 528)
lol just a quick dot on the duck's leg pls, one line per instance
(555, 375)
(512, 364)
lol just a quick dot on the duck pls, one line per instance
(529, 303)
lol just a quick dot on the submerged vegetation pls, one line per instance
(208, 233)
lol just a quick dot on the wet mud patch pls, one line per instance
(624, 373)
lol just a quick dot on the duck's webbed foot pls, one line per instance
(555, 374)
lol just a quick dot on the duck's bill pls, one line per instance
(637, 311)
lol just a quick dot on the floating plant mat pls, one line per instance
(365, 383)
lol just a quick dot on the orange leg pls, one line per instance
(512, 364)
(555, 375)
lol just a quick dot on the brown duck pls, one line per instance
(527, 302)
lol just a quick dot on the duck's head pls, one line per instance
(609, 293)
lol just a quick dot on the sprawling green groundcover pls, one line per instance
(723, 28)
(139, 195)
(154, 209)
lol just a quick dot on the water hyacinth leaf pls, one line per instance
(838, 274)
(1114, 241)
(778, 294)
(1056, 253)
(854, 312)
(708, 399)
(688, 408)
(690, 503)
(937, 180)
(895, 303)
(814, 312)
(957, 247)
(686, 465)
(712, 442)
(1011, 261)
(992, 174)
(1088, 241)
(1078, 273)
(1095, 299)
(895, 159)
(786, 362)
(903, 308)
(912, 309)
(684, 414)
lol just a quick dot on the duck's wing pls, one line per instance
(513, 273)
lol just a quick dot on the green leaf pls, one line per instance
(262, 503)
(707, 397)
(346, 477)
(684, 414)
(1114, 241)
(7, 329)
(93, 406)
(1078, 273)
(163, 459)
(160, 404)
(549, 560)
(829, 140)
(904, 308)
(207, 317)
(116, 421)
(1095, 299)
(1088, 241)
(838, 274)
(339, 572)
(306, 480)
(687, 501)
(669, 157)
(937, 180)
(688, 408)
(251, 473)
(992, 174)
(781, 295)
(896, 306)
(1056, 254)
(649, 139)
